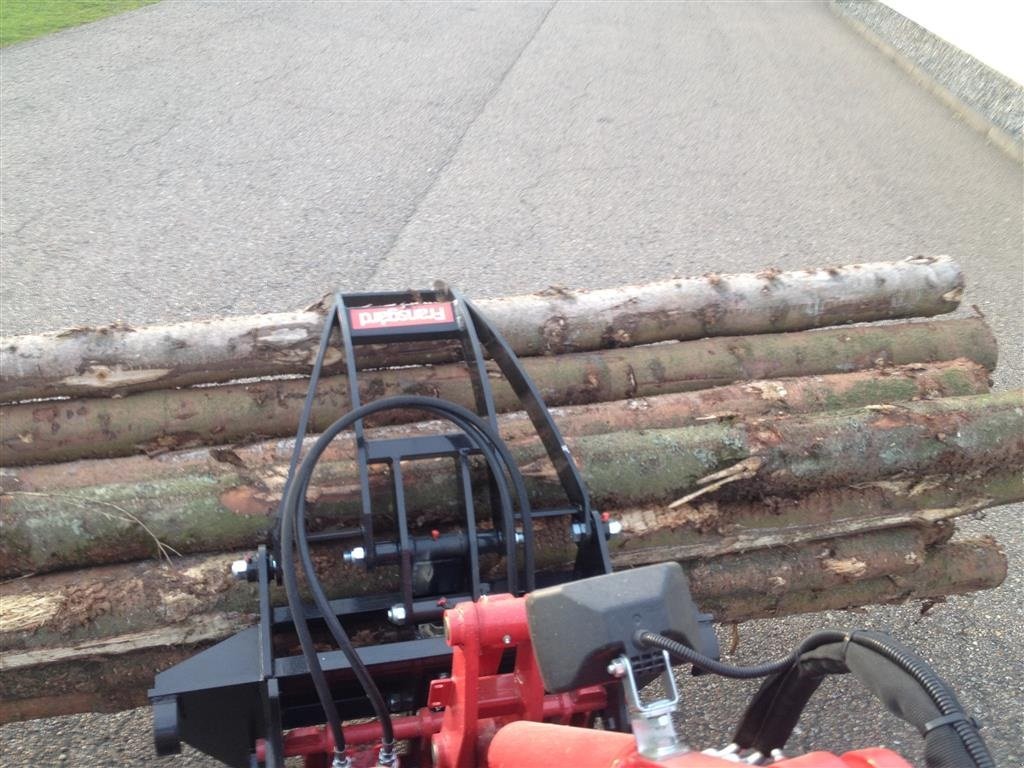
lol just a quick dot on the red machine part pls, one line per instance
(492, 720)
(477, 701)
(531, 745)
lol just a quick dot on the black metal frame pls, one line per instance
(225, 698)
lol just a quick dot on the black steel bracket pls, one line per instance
(253, 685)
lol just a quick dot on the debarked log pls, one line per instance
(113, 672)
(99, 361)
(234, 506)
(52, 431)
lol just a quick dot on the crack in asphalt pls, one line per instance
(396, 238)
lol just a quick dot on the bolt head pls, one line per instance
(355, 555)
(240, 569)
(617, 668)
(396, 614)
(614, 528)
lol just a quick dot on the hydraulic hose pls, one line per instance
(776, 707)
(294, 532)
(316, 673)
(687, 655)
(940, 693)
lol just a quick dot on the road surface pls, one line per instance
(187, 159)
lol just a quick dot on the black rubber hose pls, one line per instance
(316, 673)
(470, 424)
(300, 435)
(937, 688)
(687, 655)
(939, 752)
(294, 517)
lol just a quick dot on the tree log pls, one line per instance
(49, 609)
(117, 358)
(114, 672)
(708, 528)
(754, 398)
(42, 609)
(51, 431)
(234, 506)
(955, 568)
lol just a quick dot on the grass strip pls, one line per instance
(22, 20)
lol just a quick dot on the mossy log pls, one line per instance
(765, 397)
(100, 361)
(150, 422)
(234, 505)
(113, 672)
(93, 603)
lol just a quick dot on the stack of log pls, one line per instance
(739, 424)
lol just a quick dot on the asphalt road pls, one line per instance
(186, 159)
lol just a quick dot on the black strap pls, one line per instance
(954, 717)
(846, 643)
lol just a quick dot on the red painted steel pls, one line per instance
(533, 745)
(492, 720)
(477, 701)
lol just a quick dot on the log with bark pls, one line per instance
(52, 431)
(100, 361)
(90, 604)
(789, 469)
(761, 397)
(113, 666)
(232, 506)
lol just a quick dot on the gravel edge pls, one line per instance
(985, 99)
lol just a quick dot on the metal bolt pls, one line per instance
(240, 569)
(579, 531)
(617, 668)
(777, 754)
(396, 614)
(519, 537)
(614, 528)
(506, 639)
(355, 555)
(387, 757)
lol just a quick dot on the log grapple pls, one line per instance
(479, 657)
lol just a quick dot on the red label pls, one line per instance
(401, 315)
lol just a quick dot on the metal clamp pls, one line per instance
(652, 724)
